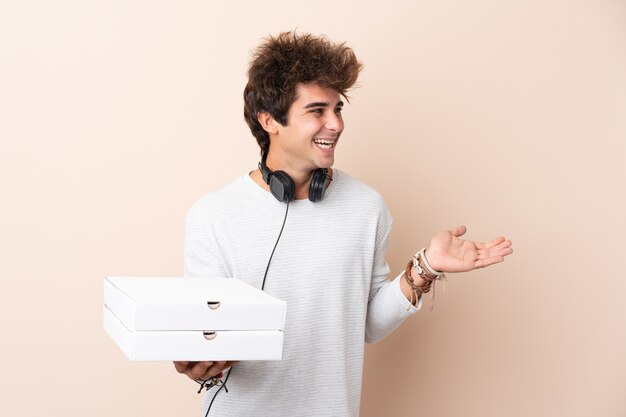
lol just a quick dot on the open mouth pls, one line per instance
(324, 143)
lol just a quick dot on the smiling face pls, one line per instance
(309, 139)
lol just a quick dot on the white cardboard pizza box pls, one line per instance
(192, 319)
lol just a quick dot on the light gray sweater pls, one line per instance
(329, 267)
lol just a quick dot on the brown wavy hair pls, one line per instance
(280, 63)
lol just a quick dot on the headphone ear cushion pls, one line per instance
(318, 185)
(282, 186)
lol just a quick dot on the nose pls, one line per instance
(334, 122)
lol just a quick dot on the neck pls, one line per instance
(301, 178)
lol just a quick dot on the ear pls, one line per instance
(268, 123)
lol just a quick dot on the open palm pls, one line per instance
(447, 252)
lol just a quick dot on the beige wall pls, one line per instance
(508, 116)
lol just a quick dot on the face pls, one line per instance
(314, 124)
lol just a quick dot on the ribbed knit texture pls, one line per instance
(329, 267)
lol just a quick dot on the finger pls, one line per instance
(181, 366)
(500, 250)
(504, 244)
(198, 370)
(496, 241)
(218, 369)
(482, 263)
(213, 370)
(458, 231)
(506, 252)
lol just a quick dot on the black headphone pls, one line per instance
(283, 188)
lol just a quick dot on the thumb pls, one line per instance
(458, 231)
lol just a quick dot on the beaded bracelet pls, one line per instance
(426, 272)
(416, 292)
(420, 257)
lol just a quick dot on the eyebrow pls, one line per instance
(322, 104)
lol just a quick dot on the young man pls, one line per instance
(329, 263)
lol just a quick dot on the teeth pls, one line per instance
(324, 143)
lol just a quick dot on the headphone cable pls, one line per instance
(223, 385)
(275, 244)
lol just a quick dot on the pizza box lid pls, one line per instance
(175, 303)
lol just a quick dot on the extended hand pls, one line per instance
(447, 252)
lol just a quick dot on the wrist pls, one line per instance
(412, 293)
(428, 264)
(406, 289)
(417, 278)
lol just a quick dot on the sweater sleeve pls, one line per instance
(387, 306)
(201, 253)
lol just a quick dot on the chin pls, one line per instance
(325, 164)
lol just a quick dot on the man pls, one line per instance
(328, 264)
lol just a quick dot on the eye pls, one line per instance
(317, 112)
(338, 110)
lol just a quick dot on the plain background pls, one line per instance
(506, 116)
